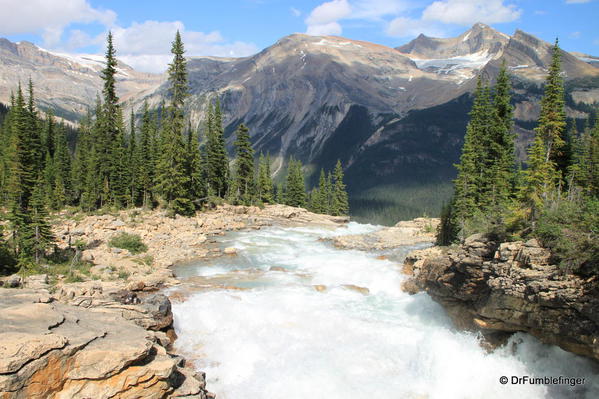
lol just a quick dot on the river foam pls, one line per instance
(302, 325)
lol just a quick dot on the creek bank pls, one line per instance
(502, 288)
(111, 336)
(410, 232)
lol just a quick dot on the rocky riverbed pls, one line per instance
(111, 336)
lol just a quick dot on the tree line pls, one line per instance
(155, 160)
(554, 197)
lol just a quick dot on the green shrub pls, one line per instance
(124, 275)
(571, 231)
(130, 242)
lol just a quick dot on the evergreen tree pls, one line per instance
(244, 165)
(295, 193)
(280, 194)
(501, 162)
(62, 170)
(339, 203)
(578, 171)
(552, 120)
(447, 231)
(320, 200)
(119, 170)
(264, 184)
(133, 164)
(194, 166)
(110, 138)
(541, 177)
(469, 183)
(217, 163)
(39, 231)
(171, 176)
(147, 156)
(23, 173)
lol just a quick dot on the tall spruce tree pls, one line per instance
(543, 176)
(23, 173)
(552, 120)
(217, 163)
(193, 166)
(295, 191)
(502, 158)
(470, 182)
(320, 200)
(172, 179)
(264, 184)
(110, 138)
(244, 165)
(339, 202)
(133, 164)
(147, 159)
(39, 230)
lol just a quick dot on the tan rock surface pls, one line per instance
(98, 349)
(420, 230)
(508, 287)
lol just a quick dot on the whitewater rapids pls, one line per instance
(290, 317)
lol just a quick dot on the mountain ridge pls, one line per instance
(394, 116)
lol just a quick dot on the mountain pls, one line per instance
(395, 117)
(66, 83)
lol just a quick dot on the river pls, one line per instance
(290, 317)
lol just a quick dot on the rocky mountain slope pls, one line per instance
(68, 84)
(395, 117)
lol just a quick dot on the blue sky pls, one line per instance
(144, 29)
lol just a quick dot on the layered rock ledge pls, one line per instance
(502, 288)
(90, 340)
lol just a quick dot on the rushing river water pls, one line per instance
(289, 318)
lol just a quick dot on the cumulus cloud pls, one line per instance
(397, 16)
(376, 9)
(468, 12)
(408, 27)
(146, 46)
(49, 18)
(323, 19)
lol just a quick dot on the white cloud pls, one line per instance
(574, 35)
(397, 15)
(577, 1)
(146, 46)
(408, 27)
(49, 18)
(468, 12)
(295, 12)
(331, 28)
(375, 9)
(323, 19)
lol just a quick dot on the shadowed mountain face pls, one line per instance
(395, 117)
